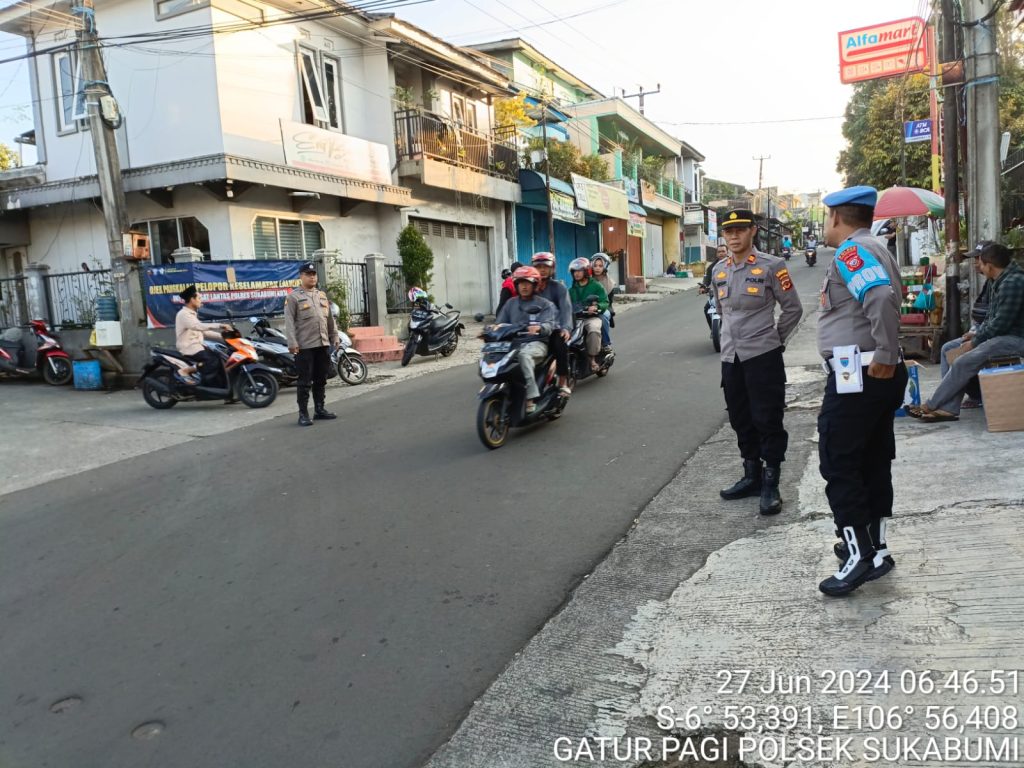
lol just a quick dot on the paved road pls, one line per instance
(328, 597)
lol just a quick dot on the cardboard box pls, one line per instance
(1002, 391)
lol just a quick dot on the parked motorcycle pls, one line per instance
(579, 361)
(432, 331)
(254, 383)
(811, 256)
(35, 350)
(714, 320)
(272, 345)
(503, 395)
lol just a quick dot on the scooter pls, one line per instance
(786, 253)
(36, 350)
(811, 256)
(503, 395)
(432, 331)
(164, 385)
(713, 319)
(579, 361)
(272, 345)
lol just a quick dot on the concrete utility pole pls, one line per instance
(108, 172)
(982, 58)
(951, 190)
(641, 93)
(760, 178)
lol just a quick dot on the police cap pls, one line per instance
(308, 268)
(739, 217)
(862, 195)
(188, 294)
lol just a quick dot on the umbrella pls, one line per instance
(908, 201)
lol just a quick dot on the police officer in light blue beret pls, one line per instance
(860, 305)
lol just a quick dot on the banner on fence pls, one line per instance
(244, 288)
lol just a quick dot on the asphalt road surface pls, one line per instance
(334, 596)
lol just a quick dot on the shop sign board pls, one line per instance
(884, 50)
(600, 198)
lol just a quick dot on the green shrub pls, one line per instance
(417, 258)
(337, 291)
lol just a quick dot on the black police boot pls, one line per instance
(882, 557)
(322, 414)
(771, 502)
(858, 568)
(304, 420)
(748, 485)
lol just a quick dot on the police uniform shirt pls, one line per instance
(746, 291)
(308, 322)
(860, 299)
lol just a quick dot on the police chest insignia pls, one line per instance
(851, 258)
(757, 271)
(784, 279)
(720, 275)
(751, 259)
(721, 293)
(751, 289)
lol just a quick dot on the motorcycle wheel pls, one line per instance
(352, 369)
(409, 351)
(450, 349)
(62, 375)
(491, 427)
(716, 334)
(153, 396)
(262, 394)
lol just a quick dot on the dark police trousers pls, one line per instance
(560, 349)
(755, 394)
(856, 447)
(312, 365)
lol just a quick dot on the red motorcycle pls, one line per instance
(26, 352)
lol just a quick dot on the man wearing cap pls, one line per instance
(189, 333)
(309, 326)
(860, 305)
(746, 286)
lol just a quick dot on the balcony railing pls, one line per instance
(422, 134)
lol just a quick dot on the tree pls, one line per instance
(512, 111)
(417, 258)
(8, 157)
(715, 189)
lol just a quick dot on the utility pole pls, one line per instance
(760, 177)
(641, 93)
(108, 174)
(982, 87)
(547, 176)
(951, 190)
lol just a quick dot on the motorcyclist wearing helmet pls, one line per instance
(589, 297)
(599, 273)
(508, 289)
(538, 323)
(555, 292)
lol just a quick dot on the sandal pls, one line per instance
(936, 416)
(564, 391)
(970, 403)
(917, 411)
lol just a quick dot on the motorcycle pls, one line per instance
(432, 331)
(254, 383)
(272, 345)
(579, 361)
(503, 395)
(26, 352)
(713, 319)
(811, 256)
(786, 253)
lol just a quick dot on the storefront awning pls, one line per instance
(634, 208)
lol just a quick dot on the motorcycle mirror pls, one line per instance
(335, 309)
(449, 306)
(254, 320)
(479, 317)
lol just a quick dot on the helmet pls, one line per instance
(506, 274)
(526, 273)
(545, 258)
(603, 257)
(417, 294)
(580, 264)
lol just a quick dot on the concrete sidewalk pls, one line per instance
(53, 432)
(656, 645)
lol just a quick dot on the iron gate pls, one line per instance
(13, 304)
(357, 295)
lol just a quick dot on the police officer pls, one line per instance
(860, 305)
(309, 326)
(747, 285)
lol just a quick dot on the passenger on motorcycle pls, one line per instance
(508, 289)
(583, 293)
(599, 269)
(555, 292)
(541, 324)
(720, 254)
(189, 334)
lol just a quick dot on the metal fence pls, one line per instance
(1013, 187)
(13, 304)
(357, 298)
(397, 289)
(72, 296)
(424, 134)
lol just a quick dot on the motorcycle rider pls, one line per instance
(583, 290)
(541, 324)
(556, 292)
(721, 254)
(309, 326)
(508, 288)
(599, 273)
(189, 333)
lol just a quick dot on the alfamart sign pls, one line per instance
(884, 50)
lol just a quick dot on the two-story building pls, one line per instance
(264, 130)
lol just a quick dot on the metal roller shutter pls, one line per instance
(462, 259)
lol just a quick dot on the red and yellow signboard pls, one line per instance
(884, 50)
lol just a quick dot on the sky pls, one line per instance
(739, 78)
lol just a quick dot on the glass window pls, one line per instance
(290, 234)
(166, 235)
(193, 233)
(70, 96)
(286, 238)
(332, 89)
(312, 237)
(313, 93)
(264, 238)
(165, 9)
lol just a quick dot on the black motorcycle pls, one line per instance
(811, 256)
(713, 319)
(786, 253)
(503, 395)
(432, 331)
(242, 376)
(272, 345)
(579, 361)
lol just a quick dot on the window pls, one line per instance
(463, 111)
(166, 235)
(165, 9)
(313, 109)
(70, 95)
(332, 92)
(285, 238)
(320, 89)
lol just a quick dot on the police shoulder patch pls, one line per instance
(784, 279)
(860, 270)
(751, 259)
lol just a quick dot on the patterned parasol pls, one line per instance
(908, 201)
